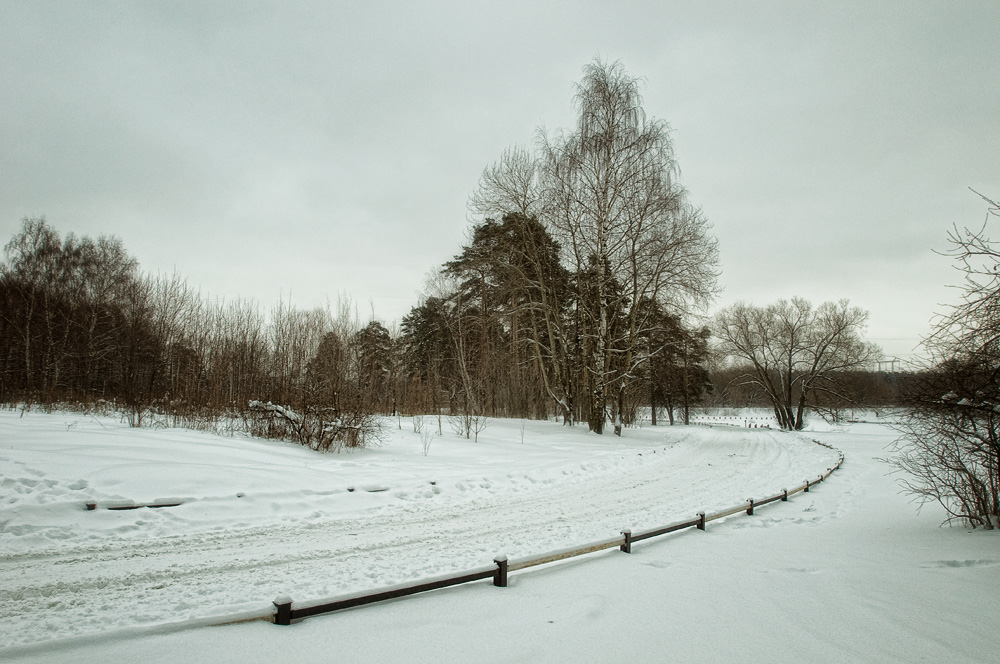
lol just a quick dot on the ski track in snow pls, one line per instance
(80, 587)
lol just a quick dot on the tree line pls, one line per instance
(80, 324)
(579, 294)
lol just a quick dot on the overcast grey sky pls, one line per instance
(268, 149)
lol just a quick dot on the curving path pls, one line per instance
(87, 588)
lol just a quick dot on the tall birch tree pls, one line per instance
(612, 199)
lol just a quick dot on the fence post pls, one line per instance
(701, 521)
(807, 486)
(784, 495)
(750, 509)
(284, 614)
(500, 576)
(626, 546)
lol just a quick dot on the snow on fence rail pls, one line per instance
(286, 611)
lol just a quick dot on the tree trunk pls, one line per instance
(798, 415)
(618, 419)
(596, 419)
(567, 406)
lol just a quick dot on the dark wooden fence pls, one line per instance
(119, 505)
(286, 611)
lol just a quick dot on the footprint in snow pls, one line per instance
(800, 522)
(658, 564)
(942, 564)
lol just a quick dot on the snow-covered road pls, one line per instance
(70, 572)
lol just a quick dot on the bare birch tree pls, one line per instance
(607, 192)
(612, 199)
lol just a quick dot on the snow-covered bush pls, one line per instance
(320, 429)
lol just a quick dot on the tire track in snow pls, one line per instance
(181, 577)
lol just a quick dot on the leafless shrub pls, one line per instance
(477, 424)
(951, 458)
(950, 446)
(461, 424)
(322, 430)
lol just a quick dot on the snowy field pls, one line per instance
(848, 572)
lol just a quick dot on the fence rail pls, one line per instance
(562, 554)
(122, 505)
(286, 611)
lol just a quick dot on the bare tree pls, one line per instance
(510, 185)
(950, 446)
(790, 350)
(30, 274)
(613, 201)
(602, 202)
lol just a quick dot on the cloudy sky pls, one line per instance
(304, 150)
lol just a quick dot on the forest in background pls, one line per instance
(82, 326)
(581, 294)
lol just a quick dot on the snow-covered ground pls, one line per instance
(847, 572)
